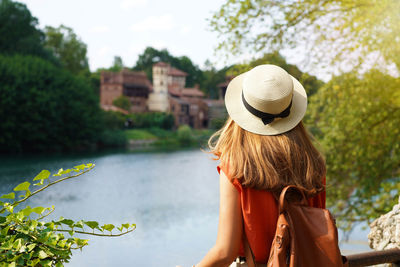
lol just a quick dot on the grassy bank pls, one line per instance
(156, 137)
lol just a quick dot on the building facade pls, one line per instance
(131, 84)
(167, 93)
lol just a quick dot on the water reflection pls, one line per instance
(172, 197)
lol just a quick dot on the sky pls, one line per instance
(126, 27)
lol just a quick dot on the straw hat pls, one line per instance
(266, 100)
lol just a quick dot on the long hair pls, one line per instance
(269, 162)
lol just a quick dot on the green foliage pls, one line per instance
(185, 135)
(112, 138)
(118, 64)
(113, 120)
(310, 82)
(217, 123)
(356, 121)
(211, 79)
(152, 119)
(68, 48)
(19, 33)
(355, 116)
(122, 102)
(44, 107)
(139, 134)
(26, 239)
(334, 31)
(150, 56)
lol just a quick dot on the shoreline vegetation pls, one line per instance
(157, 138)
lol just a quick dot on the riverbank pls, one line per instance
(183, 137)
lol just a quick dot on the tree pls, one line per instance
(122, 102)
(356, 120)
(68, 48)
(333, 31)
(118, 64)
(355, 116)
(44, 107)
(151, 56)
(310, 82)
(19, 32)
(211, 78)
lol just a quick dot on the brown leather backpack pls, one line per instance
(305, 236)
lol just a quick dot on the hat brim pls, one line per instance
(251, 123)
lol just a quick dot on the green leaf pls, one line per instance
(44, 174)
(79, 224)
(17, 244)
(81, 242)
(79, 167)
(31, 246)
(59, 173)
(39, 210)
(42, 254)
(59, 264)
(126, 225)
(92, 224)
(22, 186)
(46, 263)
(9, 196)
(27, 211)
(108, 227)
(67, 222)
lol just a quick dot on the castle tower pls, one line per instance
(158, 99)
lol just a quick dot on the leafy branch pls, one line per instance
(29, 241)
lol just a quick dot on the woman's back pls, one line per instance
(260, 214)
(263, 147)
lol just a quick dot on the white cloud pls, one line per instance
(186, 29)
(129, 4)
(100, 29)
(154, 23)
(103, 51)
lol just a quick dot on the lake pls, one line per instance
(171, 196)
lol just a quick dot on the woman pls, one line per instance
(262, 148)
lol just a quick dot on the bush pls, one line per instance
(113, 120)
(152, 119)
(122, 102)
(112, 138)
(185, 136)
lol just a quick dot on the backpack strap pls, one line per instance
(282, 206)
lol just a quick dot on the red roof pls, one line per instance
(161, 64)
(175, 72)
(127, 77)
(174, 90)
(137, 78)
(192, 92)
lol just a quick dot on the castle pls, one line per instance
(167, 93)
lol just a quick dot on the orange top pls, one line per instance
(260, 214)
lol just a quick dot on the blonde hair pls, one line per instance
(269, 162)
